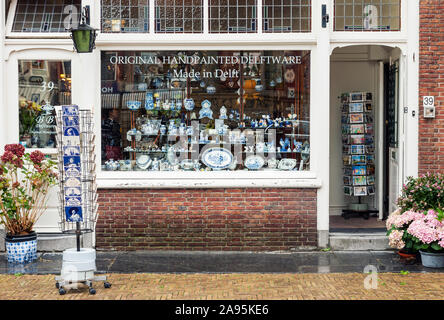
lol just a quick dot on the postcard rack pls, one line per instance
(77, 187)
(358, 151)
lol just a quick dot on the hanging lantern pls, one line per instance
(84, 36)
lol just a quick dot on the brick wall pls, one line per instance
(210, 219)
(431, 83)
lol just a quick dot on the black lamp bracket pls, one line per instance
(86, 16)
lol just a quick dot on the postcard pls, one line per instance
(357, 129)
(360, 191)
(356, 118)
(360, 181)
(357, 139)
(359, 170)
(348, 191)
(357, 149)
(356, 107)
(358, 160)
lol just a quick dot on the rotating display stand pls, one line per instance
(358, 151)
(77, 195)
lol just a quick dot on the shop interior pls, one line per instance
(364, 100)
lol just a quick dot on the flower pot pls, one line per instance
(432, 260)
(407, 255)
(22, 248)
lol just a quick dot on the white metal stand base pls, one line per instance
(78, 269)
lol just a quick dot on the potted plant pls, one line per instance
(397, 225)
(427, 232)
(24, 184)
(421, 203)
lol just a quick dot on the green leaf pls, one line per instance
(436, 247)
(404, 272)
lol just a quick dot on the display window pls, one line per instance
(205, 110)
(43, 84)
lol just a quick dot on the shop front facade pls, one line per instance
(219, 125)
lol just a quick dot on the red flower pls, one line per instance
(8, 156)
(17, 162)
(38, 168)
(37, 157)
(16, 148)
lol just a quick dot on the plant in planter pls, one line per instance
(24, 184)
(422, 193)
(420, 208)
(427, 232)
(397, 225)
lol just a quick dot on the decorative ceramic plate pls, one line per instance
(287, 164)
(143, 161)
(217, 158)
(187, 164)
(133, 105)
(254, 162)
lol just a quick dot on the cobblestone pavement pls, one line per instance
(255, 286)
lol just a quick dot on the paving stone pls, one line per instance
(332, 286)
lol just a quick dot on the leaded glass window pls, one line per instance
(286, 16)
(368, 15)
(127, 16)
(232, 16)
(179, 16)
(45, 15)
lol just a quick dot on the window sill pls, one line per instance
(221, 179)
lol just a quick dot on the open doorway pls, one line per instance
(361, 203)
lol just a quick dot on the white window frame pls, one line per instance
(12, 86)
(31, 35)
(369, 36)
(211, 179)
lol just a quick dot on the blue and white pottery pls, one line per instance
(254, 162)
(163, 129)
(272, 163)
(297, 146)
(149, 101)
(287, 164)
(223, 113)
(190, 130)
(217, 158)
(133, 105)
(143, 161)
(206, 112)
(189, 104)
(211, 89)
(21, 249)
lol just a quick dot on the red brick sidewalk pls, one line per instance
(418, 286)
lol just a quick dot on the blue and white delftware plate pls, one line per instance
(287, 164)
(217, 158)
(254, 162)
(133, 105)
